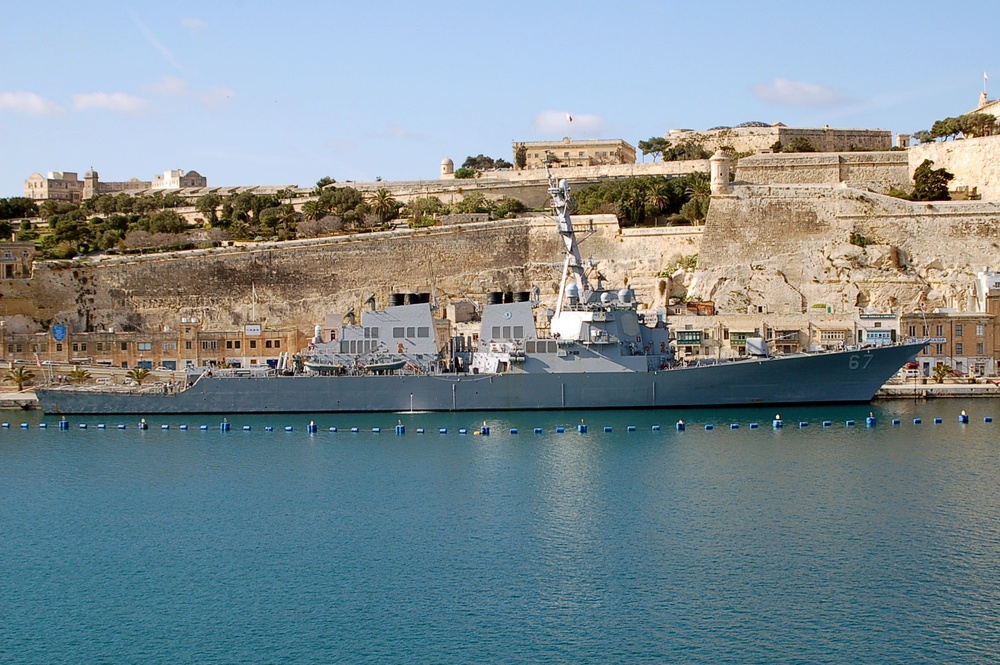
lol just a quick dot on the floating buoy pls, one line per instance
(803, 423)
(164, 426)
(656, 428)
(288, 428)
(443, 430)
(850, 423)
(43, 425)
(895, 421)
(538, 430)
(709, 426)
(987, 419)
(560, 430)
(24, 425)
(268, 428)
(754, 425)
(630, 428)
(917, 421)
(184, 427)
(513, 430)
(63, 424)
(121, 426)
(5, 425)
(827, 423)
(246, 428)
(333, 429)
(734, 425)
(963, 417)
(400, 429)
(938, 421)
(203, 427)
(463, 431)
(83, 425)
(607, 428)
(420, 430)
(101, 426)
(224, 426)
(680, 425)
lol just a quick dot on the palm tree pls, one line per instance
(20, 376)
(138, 374)
(382, 204)
(78, 375)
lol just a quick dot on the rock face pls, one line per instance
(797, 247)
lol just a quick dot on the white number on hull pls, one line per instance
(859, 362)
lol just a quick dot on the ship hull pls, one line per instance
(845, 377)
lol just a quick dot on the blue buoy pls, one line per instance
(895, 421)
(538, 430)
(963, 418)
(938, 421)
(43, 425)
(224, 426)
(582, 429)
(709, 426)
(288, 428)
(268, 428)
(203, 427)
(64, 424)
(630, 428)
(803, 423)
(680, 425)
(560, 430)
(376, 430)
(355, 430)
(754, 425)
(987, 419)
(655, 428)
(143, 424)
(870, 421)
(184, 427)
(333, 429)
(311, 427)
(734, 425)
(5, 425)
(101, 426)
(443, 430)
(164, 426)
(121, 426)
(777, 424)
(827, 423)
(917, 421)
(420, 430)
(607, 428)
(83, 425)
(463, 431)
(850, 423)
(513, 430)
(484, 430)
(400, 430)
(24, 425)
(246, 428)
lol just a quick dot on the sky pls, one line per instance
(261, 93)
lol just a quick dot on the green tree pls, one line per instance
(17, 207)
(799, 144)
(465, 172)
(208, 205)
(78, 375)
(654, 145)
(923, 135)
(322, 183)
(20, 377)
(138, 374)
(941, 372)
(520, 156)
(383, 205)
(930, 184)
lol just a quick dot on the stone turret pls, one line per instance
(447, 169)
(720, 164)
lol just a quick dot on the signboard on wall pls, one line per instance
(253, 330)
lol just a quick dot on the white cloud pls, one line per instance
(28, 103)
(193, 24)
(551, 122)
(798, 93)
(169, 86)
(114, 101)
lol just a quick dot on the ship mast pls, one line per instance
(559, 194)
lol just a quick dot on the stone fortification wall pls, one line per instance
(791, 247)
(759, 139)
(298, 283)
(975, 163)
(876, 171)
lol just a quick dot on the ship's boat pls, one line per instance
(595, 350)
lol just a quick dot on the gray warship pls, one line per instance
(598, 351)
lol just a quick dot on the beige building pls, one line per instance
(569, 153)
(92, 185)
(16, 259)
(757, 137)
(57, 186)
(178, 179)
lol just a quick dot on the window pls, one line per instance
(506, 332)
(144, 346)
(411, 332)
(940, 330)
(980, 330)
(253, 344)
(124, 346)
(980, 349)
(958, 330)
(959, 350)
(423, 331)
(59, 347)
(208, 345)
(76, 347)
(518, 332)
(277, 343)
(267, 344)
(374, 333)
(496, 332)
(913, 331)
(100, 346)
(939, 349)
(187, 345)
(397, 333)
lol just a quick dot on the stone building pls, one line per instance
(757, 137)
(92, 185)
(57, 186)
(178, 179)
(16, 259)
(570, 153)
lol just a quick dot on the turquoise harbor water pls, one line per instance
(801, 545)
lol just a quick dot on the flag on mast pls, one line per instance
(569, 118)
